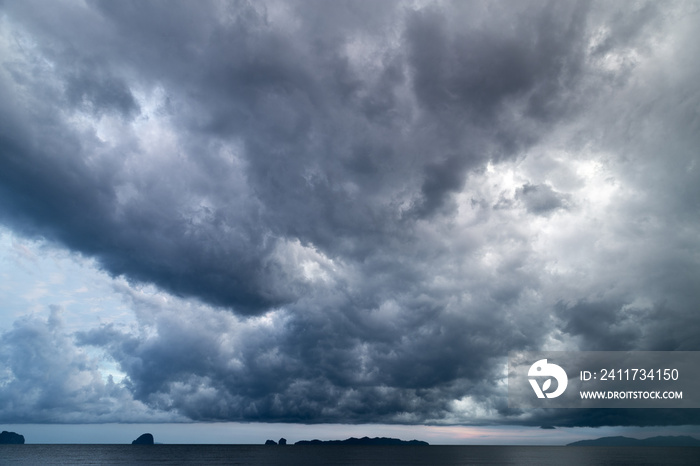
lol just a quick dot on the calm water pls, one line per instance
(330, 455)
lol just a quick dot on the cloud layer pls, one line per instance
(354, 211)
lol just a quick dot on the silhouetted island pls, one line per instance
(12, 438)
(363, 441)
(620, 441)
(270, 442)
(144, 439)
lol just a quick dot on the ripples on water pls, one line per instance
(332, 455)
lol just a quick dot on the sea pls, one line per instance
(331, 455)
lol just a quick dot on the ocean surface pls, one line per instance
(329, 455)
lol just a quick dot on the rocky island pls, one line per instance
(363, 441)
(12, 438)
(282, 441)
(144, 439)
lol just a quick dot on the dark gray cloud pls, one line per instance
(98, 91)
(540, 199)
(358, 210)
(304, 140)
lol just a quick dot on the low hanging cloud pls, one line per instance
(354, 211)
(47, 378)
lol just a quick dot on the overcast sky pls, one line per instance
(340, 212)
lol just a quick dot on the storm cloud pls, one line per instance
(353, 211)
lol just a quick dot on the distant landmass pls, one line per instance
(620, 441)
(283, 441)
(144, 439)
(363, 441)
(11, 438)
